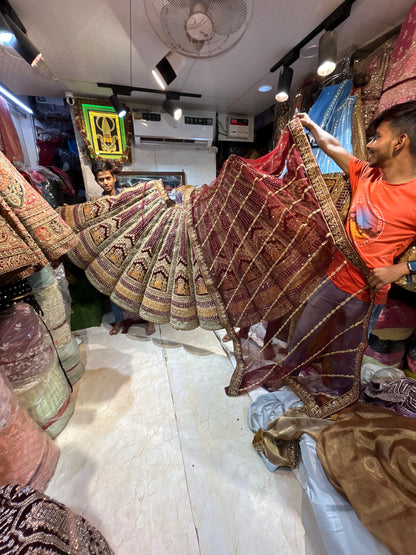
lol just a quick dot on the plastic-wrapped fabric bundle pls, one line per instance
(60, 276)
(49, 297)
(28, 359)
(70, 357)
(32, 522)
(390, 335)
(54, 315)
(28, 455)
(26, 350)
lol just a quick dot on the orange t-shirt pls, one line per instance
(381, 223)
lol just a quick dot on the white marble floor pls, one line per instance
(160, 460)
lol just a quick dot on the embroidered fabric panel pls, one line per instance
(32, 233)
(135, 247)
(252, 247)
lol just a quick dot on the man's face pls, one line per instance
(380, 148)
(106, 181)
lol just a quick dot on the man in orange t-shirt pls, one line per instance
(381, 221)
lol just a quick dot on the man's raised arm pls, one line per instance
(329, 144)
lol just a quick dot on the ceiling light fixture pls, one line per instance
(327, 54)
(5, 33)
(15, 100)
(171, 107)
(337, 17)
(16, 35)
(22, 44)
(265, 88)
(284, 84)
(168, 68)
(120, 110)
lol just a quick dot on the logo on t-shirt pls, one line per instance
(365, 222)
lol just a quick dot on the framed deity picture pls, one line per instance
(170, 180)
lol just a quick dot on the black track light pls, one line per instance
(171, 107)
(22, 44)
(327, 54)
(120, 110)
(284, 84)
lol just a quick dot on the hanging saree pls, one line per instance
(9, 139)
(252, 246)
(400, 82)
(333, 111)
(374, 67)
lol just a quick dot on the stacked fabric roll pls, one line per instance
(390, 335)
(29, 361)
(48, 294)
(28, 455)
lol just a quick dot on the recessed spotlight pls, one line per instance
(265, 88)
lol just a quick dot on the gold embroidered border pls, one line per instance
(329, 212)
(237, 377)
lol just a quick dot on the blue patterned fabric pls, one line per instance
(333, 111)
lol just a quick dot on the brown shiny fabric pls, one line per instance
(279, 443)
(369, 456)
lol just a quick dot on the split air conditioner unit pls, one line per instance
(193, 130)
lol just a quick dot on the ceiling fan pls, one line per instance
(199, 28)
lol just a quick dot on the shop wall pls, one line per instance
(199, 165)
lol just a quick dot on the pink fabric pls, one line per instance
(400, 81)
(396, 314)
(28, 455)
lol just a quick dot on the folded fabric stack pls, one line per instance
(390, 335)
(28, 455)
(29, 361)
(47, 293)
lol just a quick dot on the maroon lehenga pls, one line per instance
(251, 247)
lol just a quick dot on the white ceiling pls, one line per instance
(88, 41)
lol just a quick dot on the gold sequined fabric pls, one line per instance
(32, 522)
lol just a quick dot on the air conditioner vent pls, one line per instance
(192, 130)
(201, 143)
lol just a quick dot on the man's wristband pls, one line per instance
(412, 266)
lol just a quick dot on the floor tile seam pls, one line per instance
(165, 358)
